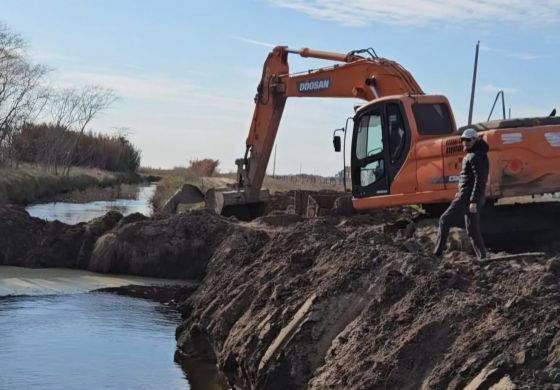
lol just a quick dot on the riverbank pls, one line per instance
(29, 184)
(331, 302)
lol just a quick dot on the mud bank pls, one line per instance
(341, 302)
(360, 303)
(175, 247)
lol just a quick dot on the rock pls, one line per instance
(504, 384)
(520, 358)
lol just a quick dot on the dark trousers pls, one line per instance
(457, 211)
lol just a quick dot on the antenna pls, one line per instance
(473, 83)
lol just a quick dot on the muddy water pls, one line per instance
(73, 213)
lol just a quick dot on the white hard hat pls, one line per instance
(469, 134)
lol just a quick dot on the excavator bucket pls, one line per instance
(225, 201)
(188, 194)
(230, 202)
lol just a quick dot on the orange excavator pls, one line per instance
(405, 148)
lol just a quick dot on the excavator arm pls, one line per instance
(353, 76)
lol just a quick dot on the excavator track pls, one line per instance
(521, 226)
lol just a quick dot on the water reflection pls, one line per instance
(73, 213)
(87, 341)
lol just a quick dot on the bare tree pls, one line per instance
(22, 96)
(89, 102)
(63, 107)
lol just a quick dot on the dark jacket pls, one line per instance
(474, 175)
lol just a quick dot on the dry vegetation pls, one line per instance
(51, 145)
(29, 183)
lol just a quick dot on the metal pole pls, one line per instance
(274, 165)
(504, 105)
(473, 83)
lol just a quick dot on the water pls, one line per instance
(57, 281)
(77, 340)
(73, 213)
(87, 341)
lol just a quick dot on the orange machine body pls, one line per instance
(523, 160)
(524, 157)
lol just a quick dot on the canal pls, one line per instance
(55, 333)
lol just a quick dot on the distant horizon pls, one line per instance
(186, 74)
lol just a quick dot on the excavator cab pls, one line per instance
(380, 144)
(395, 155)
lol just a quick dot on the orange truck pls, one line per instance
(405, 149)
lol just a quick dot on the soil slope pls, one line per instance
(360, 303)
(335, 302)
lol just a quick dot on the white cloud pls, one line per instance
(47, 56)
(519, 55)
(151, 87)
(417, 12)
(489, 88)
(253, 41)
(525, 56)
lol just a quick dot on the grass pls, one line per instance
(29, 183)
(96, 193)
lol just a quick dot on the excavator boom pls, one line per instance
(405, 145)
(352, 76)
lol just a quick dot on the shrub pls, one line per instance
(204, 167)
(51, 145)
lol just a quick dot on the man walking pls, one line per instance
(470, 197)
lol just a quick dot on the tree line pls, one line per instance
(62, 141)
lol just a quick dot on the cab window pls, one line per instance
(369, 143)
(432, 119)
(396, 132)
(369, 140)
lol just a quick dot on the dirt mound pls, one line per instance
(360, 303)
(179, 246)
(32, 242)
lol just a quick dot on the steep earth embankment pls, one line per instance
(333, 302)
(359, 303)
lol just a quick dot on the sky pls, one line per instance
(186, 72)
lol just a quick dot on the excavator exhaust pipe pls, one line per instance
(230, 202)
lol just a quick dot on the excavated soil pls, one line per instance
(360, 303)
(334, 302)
